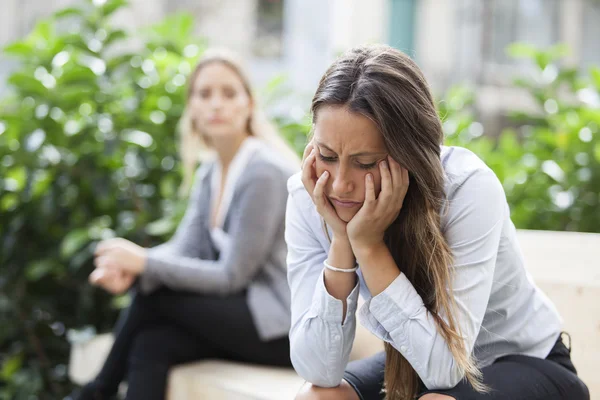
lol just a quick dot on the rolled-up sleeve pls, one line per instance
(320, 340)
(398, 315)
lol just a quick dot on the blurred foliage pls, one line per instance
(550, 164)
(88, 151)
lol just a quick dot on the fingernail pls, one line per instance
(325, 174)
(384, 163)
(370, 177)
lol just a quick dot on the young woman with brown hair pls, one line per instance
(423, 231)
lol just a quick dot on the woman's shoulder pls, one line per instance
(299, 195)
(470, 183)
(462, 165)
(266, 164)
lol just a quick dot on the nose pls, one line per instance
(216, 101)
(342, 181)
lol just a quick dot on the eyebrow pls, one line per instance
(362, 153)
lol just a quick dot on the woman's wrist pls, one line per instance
(363, 251)
(340, 253)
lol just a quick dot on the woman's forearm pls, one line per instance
(340, 284)
(377, 266)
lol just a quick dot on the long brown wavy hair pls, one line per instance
(386, 86)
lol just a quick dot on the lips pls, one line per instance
(344, 203)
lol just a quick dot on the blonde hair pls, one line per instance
(386, 86)
(194, 144)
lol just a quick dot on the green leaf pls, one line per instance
(17, 176)
(68, 12)
(597, 152)
(10, 366)
(122, 301)
(115, 36)
(27, 84)
(39, 269)
(595, 74)
(74, 241)
(558, 50)
(9, 202)
(521, 50)
(542, 60)
(111, 6)
(160, 227)
(18, 49)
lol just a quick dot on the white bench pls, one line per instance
(565, 265)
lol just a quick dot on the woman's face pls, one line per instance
(219, 102)
(349, 146)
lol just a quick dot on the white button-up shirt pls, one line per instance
(500, 310)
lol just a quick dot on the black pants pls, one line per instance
(514, 377)
(167, 328)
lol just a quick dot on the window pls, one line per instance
(486, 28)
(532, 21)
(268, 42)
(590, 45)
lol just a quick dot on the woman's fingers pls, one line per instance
(370, 196)
(387, 184)
(308, 173)
(97, 276)
(400, 179)
(107, 245)
(106, 262)
(319, 191)
(309, 147)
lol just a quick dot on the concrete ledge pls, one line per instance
(565, 265)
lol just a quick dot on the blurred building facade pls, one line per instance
(452, 40)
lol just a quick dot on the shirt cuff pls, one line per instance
(149, 279)
(397, 304)
(331, 309)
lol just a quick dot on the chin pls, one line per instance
(345, 214)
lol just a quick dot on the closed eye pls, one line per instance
(367, 166)
(327, 159)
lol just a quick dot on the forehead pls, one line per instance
(217, 73)
(344, 131)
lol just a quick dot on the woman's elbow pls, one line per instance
(310, 367)
(443, 378)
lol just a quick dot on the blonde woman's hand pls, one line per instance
(113, 280)
(315, 186)
(368, 226)
(122, 254)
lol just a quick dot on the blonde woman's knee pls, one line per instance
(342, 392)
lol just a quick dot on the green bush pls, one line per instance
(87, 151)
(550, 165)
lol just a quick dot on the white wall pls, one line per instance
(435, 40)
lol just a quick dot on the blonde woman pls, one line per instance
(423, 231)
(218, 288)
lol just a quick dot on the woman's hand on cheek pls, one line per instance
(367, 228)
(315, 186)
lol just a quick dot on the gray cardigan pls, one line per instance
(256, 257)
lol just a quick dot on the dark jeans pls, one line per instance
(167, 328)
